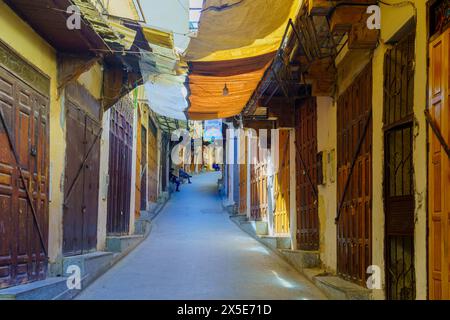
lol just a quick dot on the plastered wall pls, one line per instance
(326, 143)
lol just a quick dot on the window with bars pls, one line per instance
(398, 185)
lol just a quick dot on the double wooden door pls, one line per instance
(258, 183)
(143, 169)
(306, 175)
(165, 161)
(152, 161)
(25, 111)
(281, 186)
(243, 174)
(120, 163)
(439, 168)
(81, 181)
(354, 187)
(138, 198)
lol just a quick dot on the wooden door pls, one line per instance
(138, 197)
(143, 170)
(258, 178)
(354, 227)
(243, 175)
(22, 256)
(439, 170)
(399, 179)
(81, 181)
(165, 159)
(306, 176)
(152, 162)
(120, 163)
(281, 190)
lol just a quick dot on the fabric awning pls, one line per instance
(207, 83)
(240, 29)
(128, 35)
(230, 67)
(164, 75)
(159, 37)
(170, 125)
(167, 95)
(236, 43)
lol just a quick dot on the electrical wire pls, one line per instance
(181, 5)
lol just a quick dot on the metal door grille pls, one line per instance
(398, 186)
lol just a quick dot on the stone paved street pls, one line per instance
(195, 251)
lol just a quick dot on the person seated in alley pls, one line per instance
(216, 167)
(185, 175)
(174, 179)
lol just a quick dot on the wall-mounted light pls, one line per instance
(225, 91)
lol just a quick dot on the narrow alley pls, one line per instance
(316, 134)
(196, 252)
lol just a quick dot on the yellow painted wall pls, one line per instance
(92, 80)
(292, 194)
(378, 215)
(103, 183)
(326, 142)
(22, 38)
(420, 151)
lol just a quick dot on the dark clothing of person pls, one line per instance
(174, 179)
(185, 175)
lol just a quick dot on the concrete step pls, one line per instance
(90, 264)
(241, 218)
(308, 263)
(311, 273)
(337, 288)
(302, 259)
(46, 289)
(261, 228)
(122, 243)
(276, 242)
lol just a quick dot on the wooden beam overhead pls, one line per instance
(323, 87)
(361, 37)
(319, 7)
(322, 68)
(258, 124)
(283, 113)
(344, 17)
